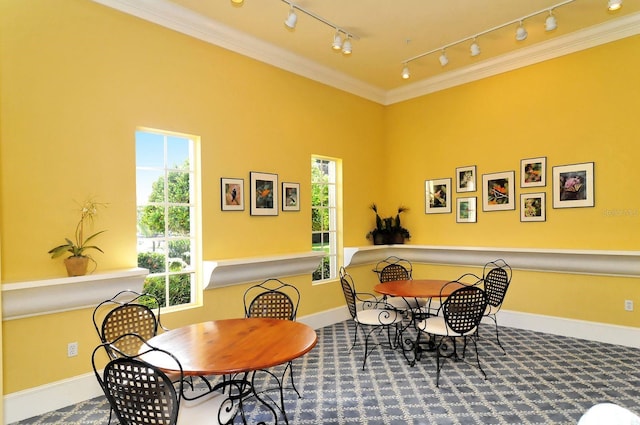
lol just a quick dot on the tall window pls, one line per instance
(167, 215)
(324, 232)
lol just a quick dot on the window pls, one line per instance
(167, 215)
(324, 231)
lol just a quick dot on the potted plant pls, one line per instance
(78, 261)
(388, 230)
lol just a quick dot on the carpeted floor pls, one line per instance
(543, 379)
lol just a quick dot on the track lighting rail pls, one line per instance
(476, 35)
(319, 18)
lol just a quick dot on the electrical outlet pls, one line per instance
(72, 349)
(628, 305)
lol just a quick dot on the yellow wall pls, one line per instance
(81, 77)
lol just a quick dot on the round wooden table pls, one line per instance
(225, 347)
(234, 346)
(417, 288)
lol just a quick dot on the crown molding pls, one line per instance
(185, 21)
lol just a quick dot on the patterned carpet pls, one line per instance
(543, 379)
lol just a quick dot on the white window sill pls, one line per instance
(591, 262)
(33, 298)
(235, 271)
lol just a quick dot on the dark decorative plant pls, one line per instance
(388, 230)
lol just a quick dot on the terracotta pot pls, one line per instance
(76, 266)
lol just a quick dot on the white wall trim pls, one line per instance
(590, 262)
(36, 401)
(185, 21)
(33, 298)
(218, 273)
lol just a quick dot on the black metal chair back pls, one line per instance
(137, 314)
(393, 272)
(464, 308)
(272, 299)
(138, 392)
(496, 283)
(393, 268)
(349, 291)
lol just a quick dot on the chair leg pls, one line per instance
(293, 384)
(495, 321)
(475, 345)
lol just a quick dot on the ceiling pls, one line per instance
(389, 32)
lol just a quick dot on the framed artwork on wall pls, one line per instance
(466, 210)
(533, 172)
(290, 196)
(232, 191)
(437, 196)
(573, 185)
(498, 191)
(533, 206)
(466, 179)
(264, 193)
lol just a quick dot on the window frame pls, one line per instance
(194, 267)
(333, 206)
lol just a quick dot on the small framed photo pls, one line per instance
(533, 206)
(264, 193)
(232, 191)
(498, 191)
(466, 210)
(573, 185)
(466, 179)
(290, 196)
(533, 172)
(437, 196)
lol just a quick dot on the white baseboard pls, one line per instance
(36, 401)
(582, 329)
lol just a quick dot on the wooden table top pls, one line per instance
(417, 288)
(229, 346)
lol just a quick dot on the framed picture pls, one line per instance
(290, 196)
(466, 179)
(573, 185)
(437, 196)
(498, 193)
(264, 193)
(466, 210)
(533, 172)
(533, 206)
(232, 191)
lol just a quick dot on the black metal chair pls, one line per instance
(395, 268)
(140, 393)
(496, 277)
(126, 313)
(459, 317)
(276, 300)
(374, 315)
(273, 299)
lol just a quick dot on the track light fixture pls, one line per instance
(474, 49)
(292, 19)
(614, 5)
(405, 72)
(521, 34)
(443, 58)
(346, 46)
(337, 43)
(550, 23)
